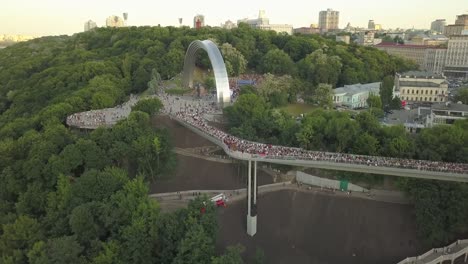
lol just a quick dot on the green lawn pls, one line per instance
(297, 109)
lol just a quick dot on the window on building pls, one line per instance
(417, 91)
(412, 91)
(441, 99)
(427, 91)
(420, 98)
(431, 92)
(402, 91)
(425, 98)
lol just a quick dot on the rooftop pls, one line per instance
(450, 106)
(403, 116)
(358, 88)
(405, 46)
(421, 74)
(419, 84)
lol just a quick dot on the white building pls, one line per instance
(229, 25)
(434, 60)
(115, 21)
(88, 25)
(344, 38)
(438, 25)
(366, 38)
(14, 38)
(262, 22)
(428, 116)
(421, 87)
(456, 61)
(355, 96)
(329, 20)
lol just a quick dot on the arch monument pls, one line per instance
(223, 94)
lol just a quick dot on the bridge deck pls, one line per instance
(402, 172)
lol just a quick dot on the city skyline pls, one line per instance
(53, 17)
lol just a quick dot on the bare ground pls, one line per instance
(319, 228)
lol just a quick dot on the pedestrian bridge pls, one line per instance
(331, 165)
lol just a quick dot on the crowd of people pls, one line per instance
(192, 111)
(194, 117)
(102, 117)
(235, 83)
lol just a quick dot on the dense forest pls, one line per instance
(69, 196)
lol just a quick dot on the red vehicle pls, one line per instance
(219, 200)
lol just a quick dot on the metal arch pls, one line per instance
(219, 68)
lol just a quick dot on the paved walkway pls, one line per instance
(240, 194)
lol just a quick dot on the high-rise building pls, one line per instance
(125, 17)
(88, 25)
(115, 21)
(438, 25)
(329, 20)
(456, 61)
(199, 21)
(371, 25)
(429, 58)
(461, 23)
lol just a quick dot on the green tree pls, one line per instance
(277, 61)
(275, 89)
(323, 95)
(19, 237)
(462, 95)
(109, 254)
(196, 247)
(386, 91)
(64, 250)
(235, 62)
(250, 117)
(83, 225)
(210, 83)
(232, 256)
(150, 106)
(366, 144)
(374, 101)
(318, 67)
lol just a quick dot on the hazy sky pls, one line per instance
(56, 17)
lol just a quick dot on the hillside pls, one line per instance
(71, 197)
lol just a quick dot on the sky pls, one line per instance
(58, 17)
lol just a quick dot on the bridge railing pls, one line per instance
(329, 157)
(450, 252)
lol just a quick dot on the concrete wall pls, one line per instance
(323, 182)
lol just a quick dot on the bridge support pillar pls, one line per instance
(252, 200)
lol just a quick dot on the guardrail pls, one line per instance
(344, 166)
(439, 255)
